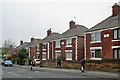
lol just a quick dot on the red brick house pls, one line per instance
(103, 40)
(46, 46)
(34, 49)
(70, 44)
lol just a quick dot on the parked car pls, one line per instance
(36, 62)
(8, 63)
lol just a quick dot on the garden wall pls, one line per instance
(103, 65)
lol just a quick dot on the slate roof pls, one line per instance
(23, 46)
(77, 31)
(110, 22)
(52, 36)
(35, 42)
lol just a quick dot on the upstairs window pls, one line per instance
(95, 37)
(44, 47)
(116, 33)
(69, 42)
(57, 44)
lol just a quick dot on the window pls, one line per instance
(96, 53)
(57, 44)
(116, 53)
(44, 56)
(95, 37)
(57, 54)
(68, 56)
(116, 33)
(68, 42)
(44, 47)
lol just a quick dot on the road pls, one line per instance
(24, 72)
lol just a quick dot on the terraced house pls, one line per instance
(46, 46)
(70, 44)
(103, 40)
(34, 48)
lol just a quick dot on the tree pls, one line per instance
(22, 54)
(7, 47)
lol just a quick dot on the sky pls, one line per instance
(24, 19)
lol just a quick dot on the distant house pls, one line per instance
(70, 44)
(46, 46)
(103, 40)
(23, 45)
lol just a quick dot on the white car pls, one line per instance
(36, 62)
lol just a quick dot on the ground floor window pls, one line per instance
(116, 53)
(57, 54)
(96, 53)
(44, 56)
(68, 55)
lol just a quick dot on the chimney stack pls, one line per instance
(115, 9)
(72, 24)
(32, 39)
(49, 32)
(21, 42)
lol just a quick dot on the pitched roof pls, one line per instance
(35, 42)
(51, 37)
(110, 22)
(24, 45)
(77, 31)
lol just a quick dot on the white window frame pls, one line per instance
(117, 56)
(43, 56)
(93, 57)
(116, 34)
(70, 56)
(67, 42)
(93, 37)
(56, 44)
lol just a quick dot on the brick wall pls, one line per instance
(99, 66)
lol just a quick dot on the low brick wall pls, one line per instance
(90, 65)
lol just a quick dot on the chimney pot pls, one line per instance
(72, 24)
(49, 32)
(115, 9)
(32, 39)
(21, 42)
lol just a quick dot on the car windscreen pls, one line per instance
(8, 62)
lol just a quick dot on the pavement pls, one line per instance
(86, 73)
